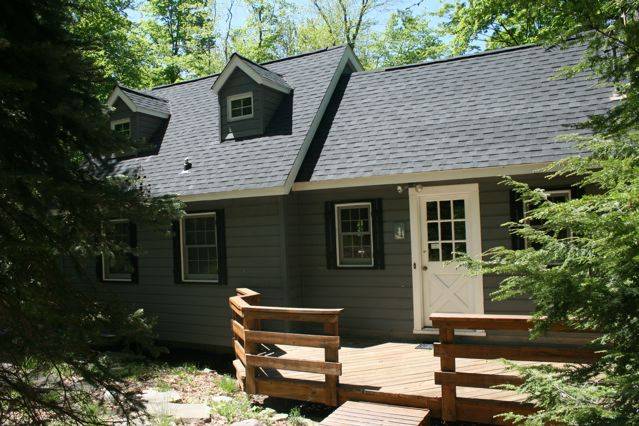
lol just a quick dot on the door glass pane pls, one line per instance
(444, 209)
(458, 209)
(447, 251)
(460, 248)
(433, 252)
(460, 230)
(431, 210)
(433, 232)
(447, 231)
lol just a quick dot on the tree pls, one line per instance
(584, 268)
(109, 39)
(56, 192)
(182, 39)
(406, 39)
(269, 31)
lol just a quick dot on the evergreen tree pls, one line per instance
(55, 151)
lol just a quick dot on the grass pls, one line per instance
(228, 384)
(295, 417)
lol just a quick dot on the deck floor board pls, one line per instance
(395, 368)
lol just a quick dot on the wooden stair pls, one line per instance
(353, 413)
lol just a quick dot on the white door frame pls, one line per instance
(414, 194)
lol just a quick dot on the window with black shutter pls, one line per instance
(121, 265)
(354, 234)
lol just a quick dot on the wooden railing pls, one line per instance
(485, 410)
(249, 338)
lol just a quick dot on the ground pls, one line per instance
(193, 388)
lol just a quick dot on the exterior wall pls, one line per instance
(378, 303)
(265, 103)
(198, 314)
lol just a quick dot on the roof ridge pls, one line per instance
(299, 55)
(452, 58)
(256, 64)
(139, 92)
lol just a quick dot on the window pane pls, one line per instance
(354, 236)
(447, 251)
(447, 231)
(431, 210)
(433, 252)
(236, 103)
(459, 209)
(460, 248)
(444, 209)
(460, 230)
(433, 232)
(200, 248)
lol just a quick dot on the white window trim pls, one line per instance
(550, 192)
(337, 233)
(183, 243)
(121, 121)
(104, 264)
(232, 98)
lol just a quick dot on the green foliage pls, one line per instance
(239, 409)
(295, 417)
(407, 39)
(585, 278)
(55, 151)
(228, 384)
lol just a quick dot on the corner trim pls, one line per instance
(119, 93)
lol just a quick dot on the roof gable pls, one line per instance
(258, 73)
(141, 102)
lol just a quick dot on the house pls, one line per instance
(319, 184)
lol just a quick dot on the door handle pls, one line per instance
(424, 268)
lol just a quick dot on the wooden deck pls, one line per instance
(451, 380)
(353, 413)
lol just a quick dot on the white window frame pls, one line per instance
(121, 121)
(232, 98)
(105, 264)
(550, 192)
(183, 245)
(338, 238)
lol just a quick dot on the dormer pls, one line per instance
(138, 115)
(248, 97)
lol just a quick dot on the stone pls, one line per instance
(180, 411)
(205, 370)
(152, 395)
(280, 416)
(221, 399)
(248, 422)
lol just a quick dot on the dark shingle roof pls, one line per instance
(492, 109)
(146, 100)
(255, 163)
(265, 73)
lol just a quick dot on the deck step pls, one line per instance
(368, 413)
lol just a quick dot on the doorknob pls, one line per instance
(424, 268)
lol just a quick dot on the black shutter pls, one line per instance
(516, 214)
(576, 192)
(133, 243)
(329, 229)
(378, 233)
(177, 258)
(98, 269)
(221, 247)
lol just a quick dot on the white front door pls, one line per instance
(445, 221)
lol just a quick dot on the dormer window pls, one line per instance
(240, 106)
(122, 127)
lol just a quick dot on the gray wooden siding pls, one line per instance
(265, 103)
(378, 303)
(198, 314)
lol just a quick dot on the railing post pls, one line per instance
(331, 354)
(250, 347)
(449, 391)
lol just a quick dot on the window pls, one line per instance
(122, 127)
(240, 106)
(555, 196)
(354, 234)
(200, 254)
(119, 266)
(446, 229)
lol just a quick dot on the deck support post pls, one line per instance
(449, 391)
(331, 354)
(250, 348)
